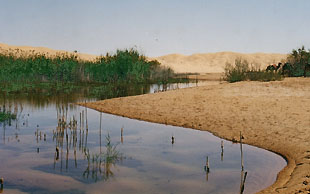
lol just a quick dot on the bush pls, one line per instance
(263, 75)
(237, 72)
(299, 62)
(242, 71)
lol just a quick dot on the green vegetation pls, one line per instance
(38, 75)
(100, 165)
(298, 63)
(124, 66)
(242, 71)
(6, 115)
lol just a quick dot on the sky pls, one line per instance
(157, 27)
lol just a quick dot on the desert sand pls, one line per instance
(270, 115)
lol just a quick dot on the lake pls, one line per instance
(55, 146)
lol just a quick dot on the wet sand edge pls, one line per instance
(152, 108)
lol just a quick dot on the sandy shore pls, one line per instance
(271, 115)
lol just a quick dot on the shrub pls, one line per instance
(299, 61)
(237, 72)
(263, 75)
(242, 71)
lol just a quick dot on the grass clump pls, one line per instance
(6, 115)
(100, 165)
(242, 71)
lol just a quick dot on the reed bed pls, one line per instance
(126, 65)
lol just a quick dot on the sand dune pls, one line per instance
(44, 50)
(215, 62)
(196, 63)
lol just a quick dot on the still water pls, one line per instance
(55, 146)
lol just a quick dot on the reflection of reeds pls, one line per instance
(207, 168)
(242, 167)
(243, 177)
(243, 174)
(222, 150)
(99, 165)
(1, 185)
(122, 132)
(207, 165)
(66, 134)
(100, 131)
(6, 115)
(9, 112)
(71, 134)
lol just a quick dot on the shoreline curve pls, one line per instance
(267, 113)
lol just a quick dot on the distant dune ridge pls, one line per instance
(196, 63)
(215, 62)
(46, 51)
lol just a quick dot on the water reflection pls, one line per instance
(122, 132)
(17, 110)
(222, 151)
(41, 96)
(101, 164)
(1, 185)
(87, 146)
(207, 168)
(243, 173)
(71, 134)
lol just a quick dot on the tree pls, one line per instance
(300, 62)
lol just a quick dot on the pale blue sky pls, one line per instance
(157, 27)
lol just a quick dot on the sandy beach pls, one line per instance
(270, 115)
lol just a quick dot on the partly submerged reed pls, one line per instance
(6, 115)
